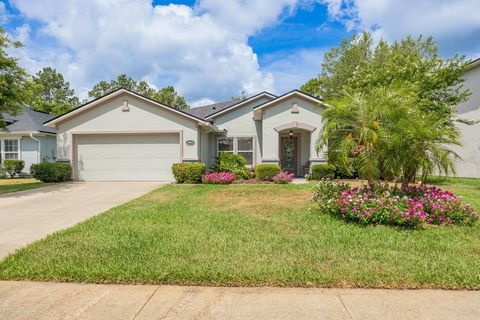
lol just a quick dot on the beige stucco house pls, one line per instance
(469, 164)
(125, 136)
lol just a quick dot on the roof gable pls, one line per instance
(263, 94)
(288, 95)
(98, 101)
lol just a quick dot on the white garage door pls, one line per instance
(126, 157)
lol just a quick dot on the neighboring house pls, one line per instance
(27, 138)
(469, 165)
(125, 136)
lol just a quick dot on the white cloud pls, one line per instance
(202, 51)
(292, 70)
(455, 25)
(3, 13)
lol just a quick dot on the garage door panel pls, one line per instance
(127, 157)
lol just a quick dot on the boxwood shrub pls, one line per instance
(13, 167)
(51, 171)
(321, 171)
(188, 172)
(266, 172)
(230, 162)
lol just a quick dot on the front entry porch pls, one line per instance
(294, 150)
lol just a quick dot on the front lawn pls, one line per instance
(14, 185)
(469, 188)
(247, 235)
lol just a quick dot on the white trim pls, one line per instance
(242, 103)
(3, 152)
(39, 148)
(288, 95)
(95, 103)
(26, 133)
(295, 125)
(473, 64)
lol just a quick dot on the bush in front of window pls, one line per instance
(188, 172)
(51, 171)
(321, 171)
(231, 162)
(266, 172)
(13, 167)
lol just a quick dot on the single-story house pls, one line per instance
(27, 139)
(126, 136)
(469, 152)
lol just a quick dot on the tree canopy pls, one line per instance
(12, 80)
(358, 65)
(167, 95)
(393, 111)
(49, 92)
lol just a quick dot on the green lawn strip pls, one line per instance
(468, 188)
(14, 185)
(246, 235)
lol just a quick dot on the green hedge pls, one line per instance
(321, 171)
(51, 171)
(230, 162)
(266, 172)
(13, 167)
(188, 172)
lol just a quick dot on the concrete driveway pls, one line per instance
(30, 215)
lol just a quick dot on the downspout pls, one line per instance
(39, 147)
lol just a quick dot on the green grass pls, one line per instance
(468, 188)
(247, 235)
(14, 185)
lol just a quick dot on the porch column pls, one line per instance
(270, 147)
(315, 157)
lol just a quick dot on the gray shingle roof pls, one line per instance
(205, 111)
(29, 120)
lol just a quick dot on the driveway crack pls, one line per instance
(143, 306)
(345, 307)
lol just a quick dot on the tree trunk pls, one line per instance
(407, 178)
(371, 184)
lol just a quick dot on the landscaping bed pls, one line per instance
(248, 235)
(18, 184)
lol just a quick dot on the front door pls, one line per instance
(288, 154)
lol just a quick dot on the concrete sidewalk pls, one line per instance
(34, 300)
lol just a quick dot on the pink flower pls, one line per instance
(283, 178)
(219, 178)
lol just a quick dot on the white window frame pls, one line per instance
(235, 146)
(3, 152)
(218, 145)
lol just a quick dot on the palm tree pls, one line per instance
(420, 144)
(353, 132)
(386, 133)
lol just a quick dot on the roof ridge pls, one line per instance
(221, 102)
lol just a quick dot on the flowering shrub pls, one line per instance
(414, 206)
(283, 177)
(219, 178)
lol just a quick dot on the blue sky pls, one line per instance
(211, 50)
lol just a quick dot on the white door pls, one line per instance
(126, 157)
